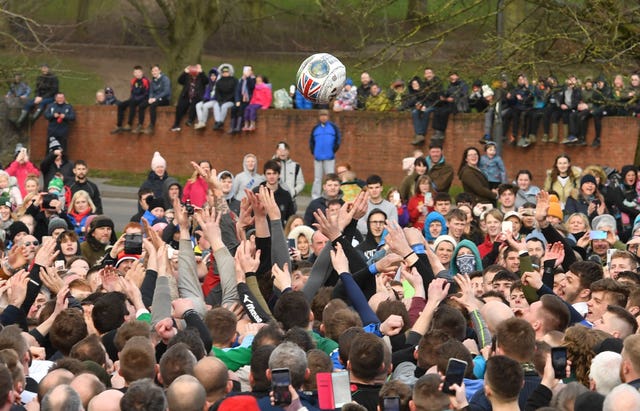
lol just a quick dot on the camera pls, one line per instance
(47, 199)
(133, 243)
(189, 207)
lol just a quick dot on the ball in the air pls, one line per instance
(321, 77)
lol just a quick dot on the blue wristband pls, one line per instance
(418, 249)
(373, 269)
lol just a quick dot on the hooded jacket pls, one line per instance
(246, 179)
(453, 268)
(92, 249)
(160, 88)
(155, 183)
(170, 181)
(431, 217)
(369, 246)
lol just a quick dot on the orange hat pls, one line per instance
(555, 209)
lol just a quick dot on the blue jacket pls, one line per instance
(160, 88)
(493, 168)
(324, 141)
(301, 102)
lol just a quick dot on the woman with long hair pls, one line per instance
(80, 208)
(562, 178)
(473, 179)
(421, 203)
(196, 188)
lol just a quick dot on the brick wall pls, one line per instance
(372, 143)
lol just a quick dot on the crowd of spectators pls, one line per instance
(215, 286)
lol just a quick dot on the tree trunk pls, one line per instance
(82, 18)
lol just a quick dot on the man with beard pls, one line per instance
(577, 284)
(80, 171)
(99, 236)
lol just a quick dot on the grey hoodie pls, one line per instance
(246, 179)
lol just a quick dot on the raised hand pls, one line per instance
(438, 290)
(327, 224)
(51, 279)
(281, 277)
(17, 291)
(247, 258)
(257, 206)
(396, 239)
(339, 260)
(44, 257)
(532, 279)
(245, 219)
(467, 297)
(267, 198)
(542, 208)
(555, 251)
(209, 221)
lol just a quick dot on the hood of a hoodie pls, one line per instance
(244, 164)
(220, 174)
(374, 211)
(229, 66)
(170, 181)
(431, 217)
(474, 249)
(430, 163)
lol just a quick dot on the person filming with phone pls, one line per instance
(587, 200)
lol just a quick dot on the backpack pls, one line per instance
(282, 99)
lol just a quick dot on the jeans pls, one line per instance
(202, 110)
(251, 112)
(421, 120)
(220, 110)
(152, 111)
(41, 106)
(320, 169)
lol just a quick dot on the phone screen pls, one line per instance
(597, 235)
(280, 381)
(341, 388)
(559, 361)
(507, 226)
(454, 375)
(291, 242)
(391, 404)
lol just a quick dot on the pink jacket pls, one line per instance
(196, 192)
(21, 172)
(262, 95)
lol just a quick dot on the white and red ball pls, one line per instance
(321, 77)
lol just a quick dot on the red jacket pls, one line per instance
(21, 172)
(416, 217)
(196, 191)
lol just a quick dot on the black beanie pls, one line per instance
(15, 228)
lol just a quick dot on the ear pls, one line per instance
(616, 334)
(322, 329)
(160, 380)
(585, 293)
(307, 374)
(415, 354)
(412, 405)
(592, 385)
(268, 374)
(311, 317)
(487, 391)
(348, 365)
(230, 386)
(537, 324)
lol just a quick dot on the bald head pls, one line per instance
(494, 313)
(213, 374)
(61, 398)
(108, 400)
(186, 394)
(87, 386)
(59, 376)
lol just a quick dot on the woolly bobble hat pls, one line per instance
(56, 183)
(588, 178)
(442, 238)
(154, 202)
(555, 210)
(158, 161)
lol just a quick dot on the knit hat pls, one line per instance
(122, 257)
(55, 223)
(555, 210)
(57, 183)
(537, 235)
(589, 401)
(348, 82)
(442, 238)
(602, 221)
(5, 200)
(158, 161)
(154, 202)
(588, 178)
(239, 402)
(627, 168)
(213, 71)
(54, 144)
(101, 221)
(15, 228)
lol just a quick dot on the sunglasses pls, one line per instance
(28, 243)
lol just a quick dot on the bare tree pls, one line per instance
(180, 28)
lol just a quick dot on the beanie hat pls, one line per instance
(5, 200)
(588, 178)
(239, 402)
(348, 82)
(57, 183)
(55, 223)
(589, 401)
(101, 221)
(447, 238)
(213, 71)
(158, 161)
(154, 202)
(626, 169)
(15, 228)
(602, 221)
(555, 210)
(122, 257)
(54, 144)
(537, 235)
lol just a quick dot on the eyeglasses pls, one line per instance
(35, 243)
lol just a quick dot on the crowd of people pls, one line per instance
(218, 287)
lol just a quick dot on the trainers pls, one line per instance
(176, 129)
(485, 139)
(218, 125)
(418, 139)
(188, 124)
(199, 125)
(545, 138)
(523, 142)
(532, 138)
(148, 130)
(596, 143)
(138, 129)
(117, 130)
(126, 128)
(569, 140)
(581, 142)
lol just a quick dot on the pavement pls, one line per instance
(120, 202)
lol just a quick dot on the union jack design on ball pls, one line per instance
(309, 87)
